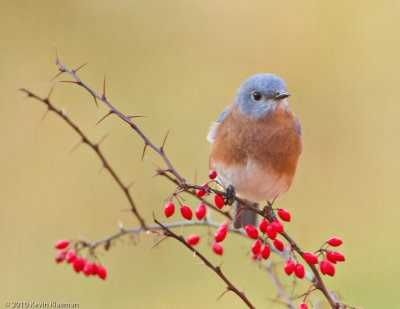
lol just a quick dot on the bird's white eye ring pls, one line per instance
(256, 96)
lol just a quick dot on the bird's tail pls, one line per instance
(243, 217)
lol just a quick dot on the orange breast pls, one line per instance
(272, 142)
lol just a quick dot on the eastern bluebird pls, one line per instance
(256, 143)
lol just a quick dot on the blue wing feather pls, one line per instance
(298, 125)
(223, 114)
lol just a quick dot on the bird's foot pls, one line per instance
(229, 195)
(269, 212)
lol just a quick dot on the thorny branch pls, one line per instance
(167, 232)
(216, 269)
(182, 186)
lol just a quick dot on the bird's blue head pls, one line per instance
(260, 95)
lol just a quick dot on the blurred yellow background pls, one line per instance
(180, 63)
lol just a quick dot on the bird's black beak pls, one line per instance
(281, 95)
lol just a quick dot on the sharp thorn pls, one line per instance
(101, 140)
(159, 242)
(55, 49)
(76, 146)
(109, 113)
(104, 87)
(165, 139)
(95, 101)
(144, 150)
(68, 81)
(130, 185)
(223, 293)
(50, 92)
(45, 114)
(58, 74)
(136, 116)
(101, 168)
(80, 67)
(159, 172)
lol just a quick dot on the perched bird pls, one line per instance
(256, 144)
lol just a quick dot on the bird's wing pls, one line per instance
(298, 125)
(214, 126)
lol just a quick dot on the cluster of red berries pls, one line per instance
(78, 263)
(186, 212)
(269, 231)
(200, 213)
(260, 248)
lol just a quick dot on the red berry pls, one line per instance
(278, 225)
(331, 257)
(217, 248)
(271, 231)
(339, 257)
(299, 271)
(201, 193)
(169, 209)
(323, 266)
(263, 226)
(255, 257)
(205, 185)
(62, 244)
(200, 211)
(70, 256)
(193, 240)
(279, 244)
(220, 235)
(251, 231)
(224, 225)
(101, 272)
(219, 201)
(331, 269)
(87, 270)
(94, 269)
(302, 305)
(265, 252)
(60, 256)
(186, 212)
(79, 264)
(284, 214)
(212, 174)
(327, 268)
(289, 267)
(256, 247)
(335, 242)
(310, 258)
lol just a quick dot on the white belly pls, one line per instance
(251, 182)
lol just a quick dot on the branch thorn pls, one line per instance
(104, 87)
(80, 67)
(223, 293)
(50, 93)
(144, 150)
(58, 74)
(108, 114)
(45, 114)
(76, 146)
(165, 139)
(95, 101)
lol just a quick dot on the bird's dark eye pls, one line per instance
(256, 96)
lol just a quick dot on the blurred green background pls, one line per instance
(180, 63)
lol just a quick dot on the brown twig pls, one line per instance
(95, 147)
(216, 269)
(282, 294)
(179, 180)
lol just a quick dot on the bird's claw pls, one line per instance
(229, 195)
